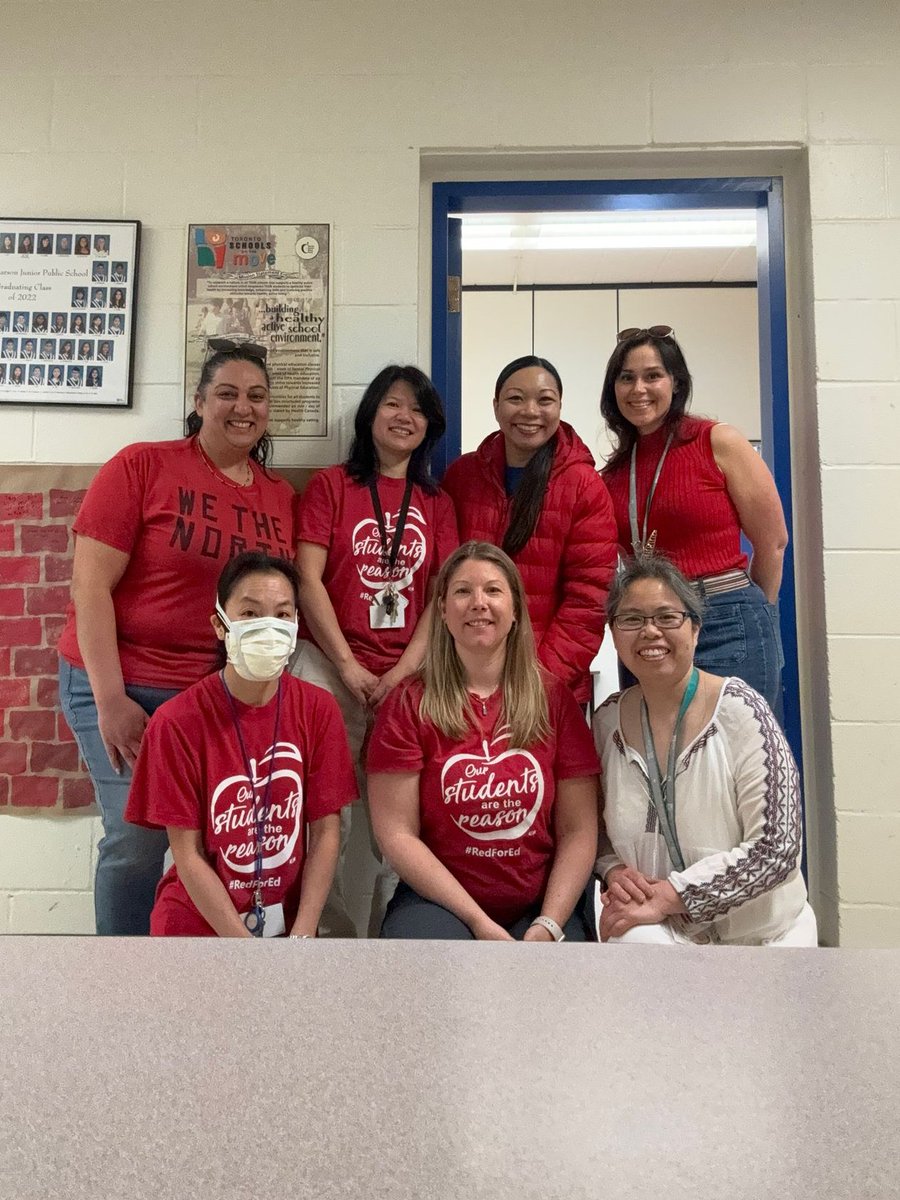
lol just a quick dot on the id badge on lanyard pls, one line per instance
(388, 607)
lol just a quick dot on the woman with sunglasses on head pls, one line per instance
(532, 488)
(372, 533)
(689, 487)
(701, 797)
(155, 528)
(482, 776)
(246, 771)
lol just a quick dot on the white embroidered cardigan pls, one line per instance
(737, 816)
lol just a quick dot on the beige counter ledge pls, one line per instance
(255, 1071)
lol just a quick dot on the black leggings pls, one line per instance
(409, 915)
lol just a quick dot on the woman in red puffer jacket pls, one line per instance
(532, 488)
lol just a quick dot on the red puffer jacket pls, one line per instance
(568, 561)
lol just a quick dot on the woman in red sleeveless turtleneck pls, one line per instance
(690, 487)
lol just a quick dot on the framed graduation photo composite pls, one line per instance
(68, 290)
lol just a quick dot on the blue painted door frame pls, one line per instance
(762, 193)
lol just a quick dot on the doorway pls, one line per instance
(451, 202)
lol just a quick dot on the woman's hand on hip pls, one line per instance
(122, 726)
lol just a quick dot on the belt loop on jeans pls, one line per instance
(725, 581)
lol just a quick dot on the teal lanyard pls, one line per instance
(663, 796)
(639, 539)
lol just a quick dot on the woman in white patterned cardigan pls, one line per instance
(701, 794)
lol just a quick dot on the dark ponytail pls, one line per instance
(529, 499)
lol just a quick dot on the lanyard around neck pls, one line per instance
(639, 540)
(390, 559)
(257, 916)
(663, 795)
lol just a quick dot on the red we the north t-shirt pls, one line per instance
(486, 807)
(337, 513)
(191, 774)
(179, 521)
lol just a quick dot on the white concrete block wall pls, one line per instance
(285, 111)
(47, 864)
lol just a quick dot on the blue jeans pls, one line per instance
(740, 636)
(410, 915)
(130, 859)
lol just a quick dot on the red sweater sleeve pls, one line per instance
(588, 561)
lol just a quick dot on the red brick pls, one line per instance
(21, 504)
(13, 758)
(35, 662)
(21, 631)
(4, 789)
(12, 601)
(5, 661)
(63, 732)
(30, 724)
(47, 600)
(47, 693)
(7, 537)
(16, 569)
(15, 693)
(48, 756)
(57, 570)
(53, 627)
(77, 793)
(65, 504)
(29, 791)
(44, 537)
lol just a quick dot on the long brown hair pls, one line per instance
(624, 434)
(445, 701)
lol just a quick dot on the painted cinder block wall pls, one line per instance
(308, 110)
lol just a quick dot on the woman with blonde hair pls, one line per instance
(482, 777)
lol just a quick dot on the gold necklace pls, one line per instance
(214, 470)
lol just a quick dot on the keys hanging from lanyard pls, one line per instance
(255, 917)
(639, 541)
(389, 558)
(663, 794)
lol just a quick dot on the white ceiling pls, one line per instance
(608, 266)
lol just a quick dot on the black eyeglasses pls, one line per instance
(229, 346)
(631, 622)
(655, 331)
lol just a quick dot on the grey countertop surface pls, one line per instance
(208, 1069)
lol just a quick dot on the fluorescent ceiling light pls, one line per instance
(609, 231)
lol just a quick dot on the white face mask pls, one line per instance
(259, 649)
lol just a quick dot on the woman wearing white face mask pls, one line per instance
(247, 772)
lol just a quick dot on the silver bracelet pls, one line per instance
(300, 936)
(551, 926)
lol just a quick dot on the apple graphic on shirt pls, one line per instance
(233, 810)
(495, 795)
(366, 543)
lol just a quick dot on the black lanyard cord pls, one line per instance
(390, 558)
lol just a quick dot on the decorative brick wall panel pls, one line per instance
(39, 765)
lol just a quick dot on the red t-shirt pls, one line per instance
(190, 774)
(485, 807)
(337, 513)
(180, 522)
(696, 522)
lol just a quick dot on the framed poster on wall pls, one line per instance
(67, 303)
(268, 285)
